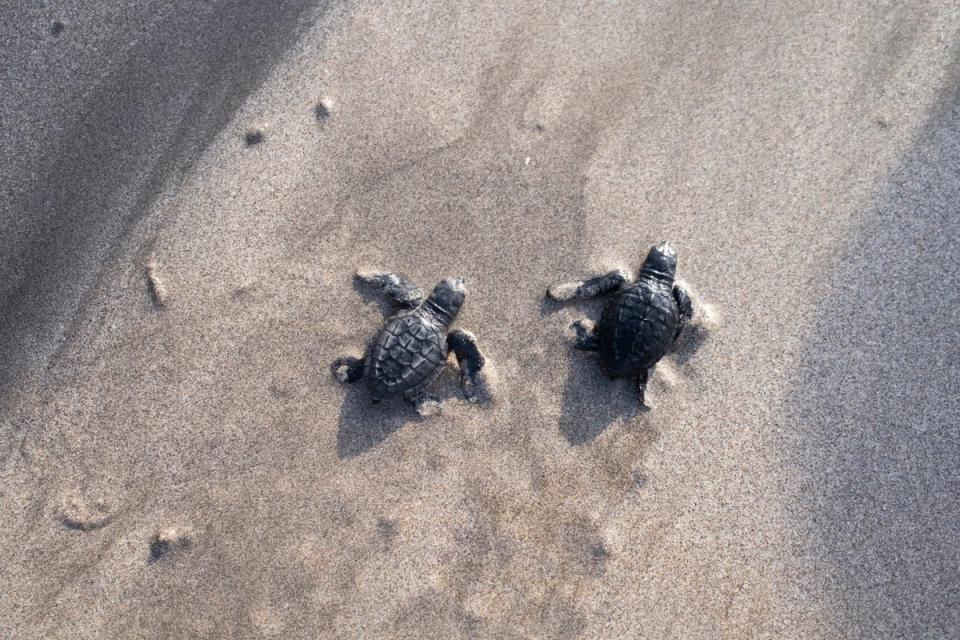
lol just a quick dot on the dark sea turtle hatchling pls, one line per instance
(411, 350)
(639, 323)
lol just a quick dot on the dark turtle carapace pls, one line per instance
(641, 320)
(411, 350)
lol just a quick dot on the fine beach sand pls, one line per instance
(176, 460)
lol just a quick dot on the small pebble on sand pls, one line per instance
(324, 109)
(155, 286)
(167, 540)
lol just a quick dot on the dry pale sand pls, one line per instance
(176, 460)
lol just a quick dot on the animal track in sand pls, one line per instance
(582, 545)
(77, 513)
(386, 529)
(639, 479)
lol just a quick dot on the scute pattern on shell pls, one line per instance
(407, 356)
(637, 328)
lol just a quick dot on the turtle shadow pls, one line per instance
(548, 306)
(691, 339)
(589, 309)
(364, 425)
(592, 402)
(370, 296)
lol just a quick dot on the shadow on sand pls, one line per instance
(124, 139)
(877, 409)
(592, 401)
(364, 425)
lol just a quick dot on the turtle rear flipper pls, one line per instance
(348, 369)
(587, 337)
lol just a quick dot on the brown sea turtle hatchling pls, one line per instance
(411, 350)
(640, 322)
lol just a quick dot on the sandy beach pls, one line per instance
(187, 190)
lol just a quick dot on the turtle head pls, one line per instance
(661, 263)
(447, 298)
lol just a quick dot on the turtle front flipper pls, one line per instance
(587, 338)
(348, 369)
(585, 289)
(685, 305)
(396, 287)
(464, 345)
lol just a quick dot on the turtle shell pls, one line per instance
(637, 328)
(406, 356)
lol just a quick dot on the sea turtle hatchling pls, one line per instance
(411, 350)
(639, 323)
